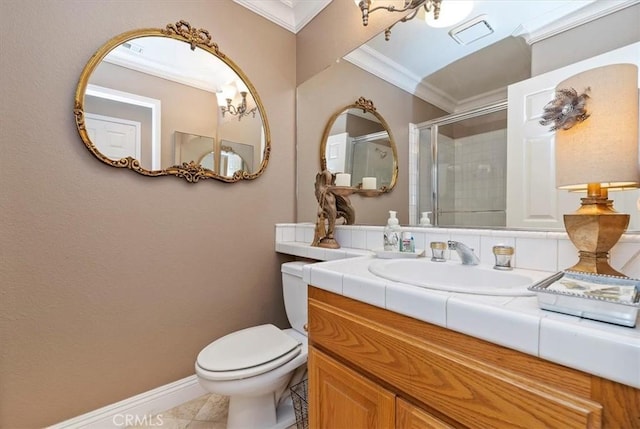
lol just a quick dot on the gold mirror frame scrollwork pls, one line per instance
(190, 171)
(367, 107)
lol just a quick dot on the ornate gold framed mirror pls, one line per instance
(358, 143)
(143, 91)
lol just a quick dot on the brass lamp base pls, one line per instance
(594, 229)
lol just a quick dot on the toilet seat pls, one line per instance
(247, 353)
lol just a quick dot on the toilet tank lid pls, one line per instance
(246, 348)
(293, 268)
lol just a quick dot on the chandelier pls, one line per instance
(226, 98)
(413, 5)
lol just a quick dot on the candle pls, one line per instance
(343, 179)
(369, 183)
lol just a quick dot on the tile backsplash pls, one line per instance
(535, 250)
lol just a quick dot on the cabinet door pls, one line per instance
(342, 398)
(409, 416)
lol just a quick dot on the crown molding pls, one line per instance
(290, 14)
(195, 78)
(481, 100)
(381, 66)
(534, 31)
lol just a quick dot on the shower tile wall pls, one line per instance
(371, 159)
(480, 179)
(471, 178)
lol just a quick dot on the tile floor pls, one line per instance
(206, 412)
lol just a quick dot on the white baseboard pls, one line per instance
(138, 409)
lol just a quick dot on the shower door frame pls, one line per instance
(414, 155)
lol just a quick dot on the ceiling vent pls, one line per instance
(133, 47)
(472, 30)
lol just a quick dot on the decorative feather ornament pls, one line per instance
(565, 110)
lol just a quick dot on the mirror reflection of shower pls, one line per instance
(225, 157)
(461, 162)
(369, 158)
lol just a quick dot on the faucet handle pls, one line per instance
(503, 255)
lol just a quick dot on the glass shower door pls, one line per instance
(466, 186)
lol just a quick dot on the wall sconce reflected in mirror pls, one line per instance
(454, 12)
(383, 153)
(413, 5)
(226, 97)
(365, 7)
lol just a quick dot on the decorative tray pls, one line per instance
(592, 296)
(389, 254)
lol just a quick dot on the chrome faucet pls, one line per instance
(466, 253)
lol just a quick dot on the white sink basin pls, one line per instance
(454, 277)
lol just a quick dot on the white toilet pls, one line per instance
(255, 366)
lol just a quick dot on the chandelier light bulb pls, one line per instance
(228, 91)
(242, 87)
(239, 108)
(451, 13)
(222, 101)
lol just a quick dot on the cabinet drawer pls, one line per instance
(467, 390)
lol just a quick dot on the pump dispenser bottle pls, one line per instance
(392, 233)
(424, 220)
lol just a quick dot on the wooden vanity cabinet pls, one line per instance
(346, 399)
(409, 416)
(372, 368)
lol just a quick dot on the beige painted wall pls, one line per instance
(112, 282)
(594, 38)
(336, 31)
(330, 91)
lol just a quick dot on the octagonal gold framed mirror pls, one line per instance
(168, 102)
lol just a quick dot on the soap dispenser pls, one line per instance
(424, 219)
(392, 233)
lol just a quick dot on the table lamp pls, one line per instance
(596, 149)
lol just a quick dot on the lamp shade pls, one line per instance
(603, 148)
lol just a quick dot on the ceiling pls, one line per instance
(430, 64)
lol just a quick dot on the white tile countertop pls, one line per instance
(602, 349)
(534, 250)
(598, 348)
